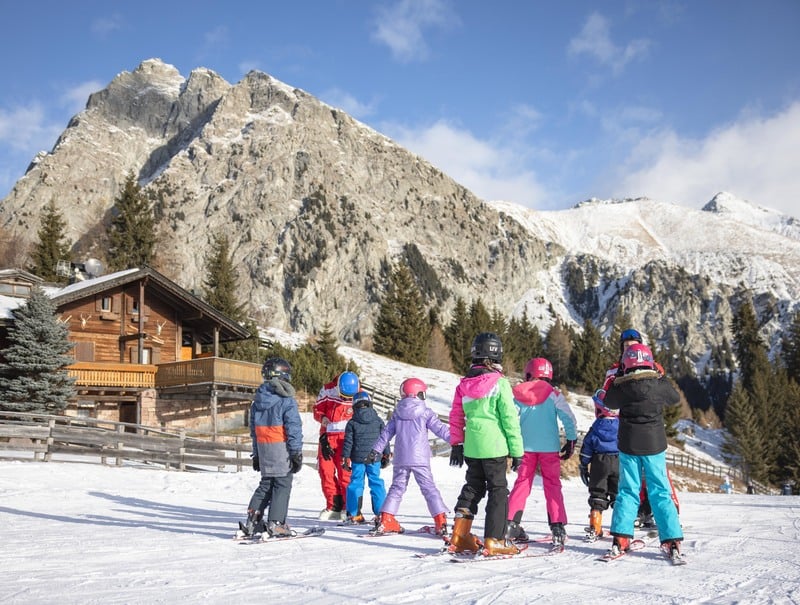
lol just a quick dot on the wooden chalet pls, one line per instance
(146, 350)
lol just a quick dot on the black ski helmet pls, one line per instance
(486, 345)
(277, 367)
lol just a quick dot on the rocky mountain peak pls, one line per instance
(317, 206)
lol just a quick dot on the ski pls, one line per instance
(636, 544)
(425, 530)
(311, 532)
(525, 553)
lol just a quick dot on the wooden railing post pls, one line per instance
(51, 424)
(120, 429)
(181, 451)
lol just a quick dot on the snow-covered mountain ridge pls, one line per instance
(731, 241)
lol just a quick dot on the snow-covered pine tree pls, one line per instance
(33, 377)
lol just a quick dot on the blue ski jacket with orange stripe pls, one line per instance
(275, 427)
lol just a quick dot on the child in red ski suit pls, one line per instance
(333, 410)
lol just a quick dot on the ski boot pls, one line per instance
(672, 550)
(387, 525)
(595, 529)
(559, 534)
(462, 540)
(515, 532)
(276, 529)
(440, 524)
(499, 546)
(620, 545)
(253, 525)
(357, 519)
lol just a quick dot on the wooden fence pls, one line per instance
(46, 438)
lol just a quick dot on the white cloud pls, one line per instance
(595, 40)
(490, 171)
(26, 130)
(344, 100)
(401, 26)
(754, 158)
(105, 26)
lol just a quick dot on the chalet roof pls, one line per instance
(193, 312)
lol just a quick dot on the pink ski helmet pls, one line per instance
(539, 367)
(413, 387)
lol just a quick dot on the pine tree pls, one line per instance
(52, 246)
(479, 318)
(745, 443)
(132, 234)
(402, 331)
(791, 349)
(459, 335)
(587, 364)
(33, 377)
(220, 288)
(558, 347)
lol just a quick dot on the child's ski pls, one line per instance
(525, 553)
(311, 532)
(636, 544)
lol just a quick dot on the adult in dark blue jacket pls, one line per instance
(277, 433)
(640, 395)
(361, 432)
(599, 463)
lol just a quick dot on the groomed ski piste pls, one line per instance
(84, 533)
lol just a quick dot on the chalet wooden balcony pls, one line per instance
(131, 376)
(92, 374)
(212, 370)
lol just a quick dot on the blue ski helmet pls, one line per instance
(348, 384)
(362, 400)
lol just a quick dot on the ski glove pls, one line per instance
(584, 474)
(256, 464)
(296, 462)
(325, 448)
(516, 463)
(346, 464)
(372, 457)
(457, 455)
(566, 451)
(385, 460)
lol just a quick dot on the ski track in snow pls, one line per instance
(84, 533)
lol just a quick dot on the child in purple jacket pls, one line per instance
(410, 423)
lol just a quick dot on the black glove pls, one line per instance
(372, 457)
(566, 451)
(584, 474)
(325, 448)
(385, 460)
(457, 455)
(346, 465)
(295, 462)
(256, 464)
(516, 463)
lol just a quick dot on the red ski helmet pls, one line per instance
(413, 387)
(539, 367)
(636, 357)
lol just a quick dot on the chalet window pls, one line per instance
(105, 304)
(23, 290)
(84, 351)
(149, 355)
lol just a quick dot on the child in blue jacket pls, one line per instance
(361, 432)
(599, 464)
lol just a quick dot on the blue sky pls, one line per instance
(540, 103)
